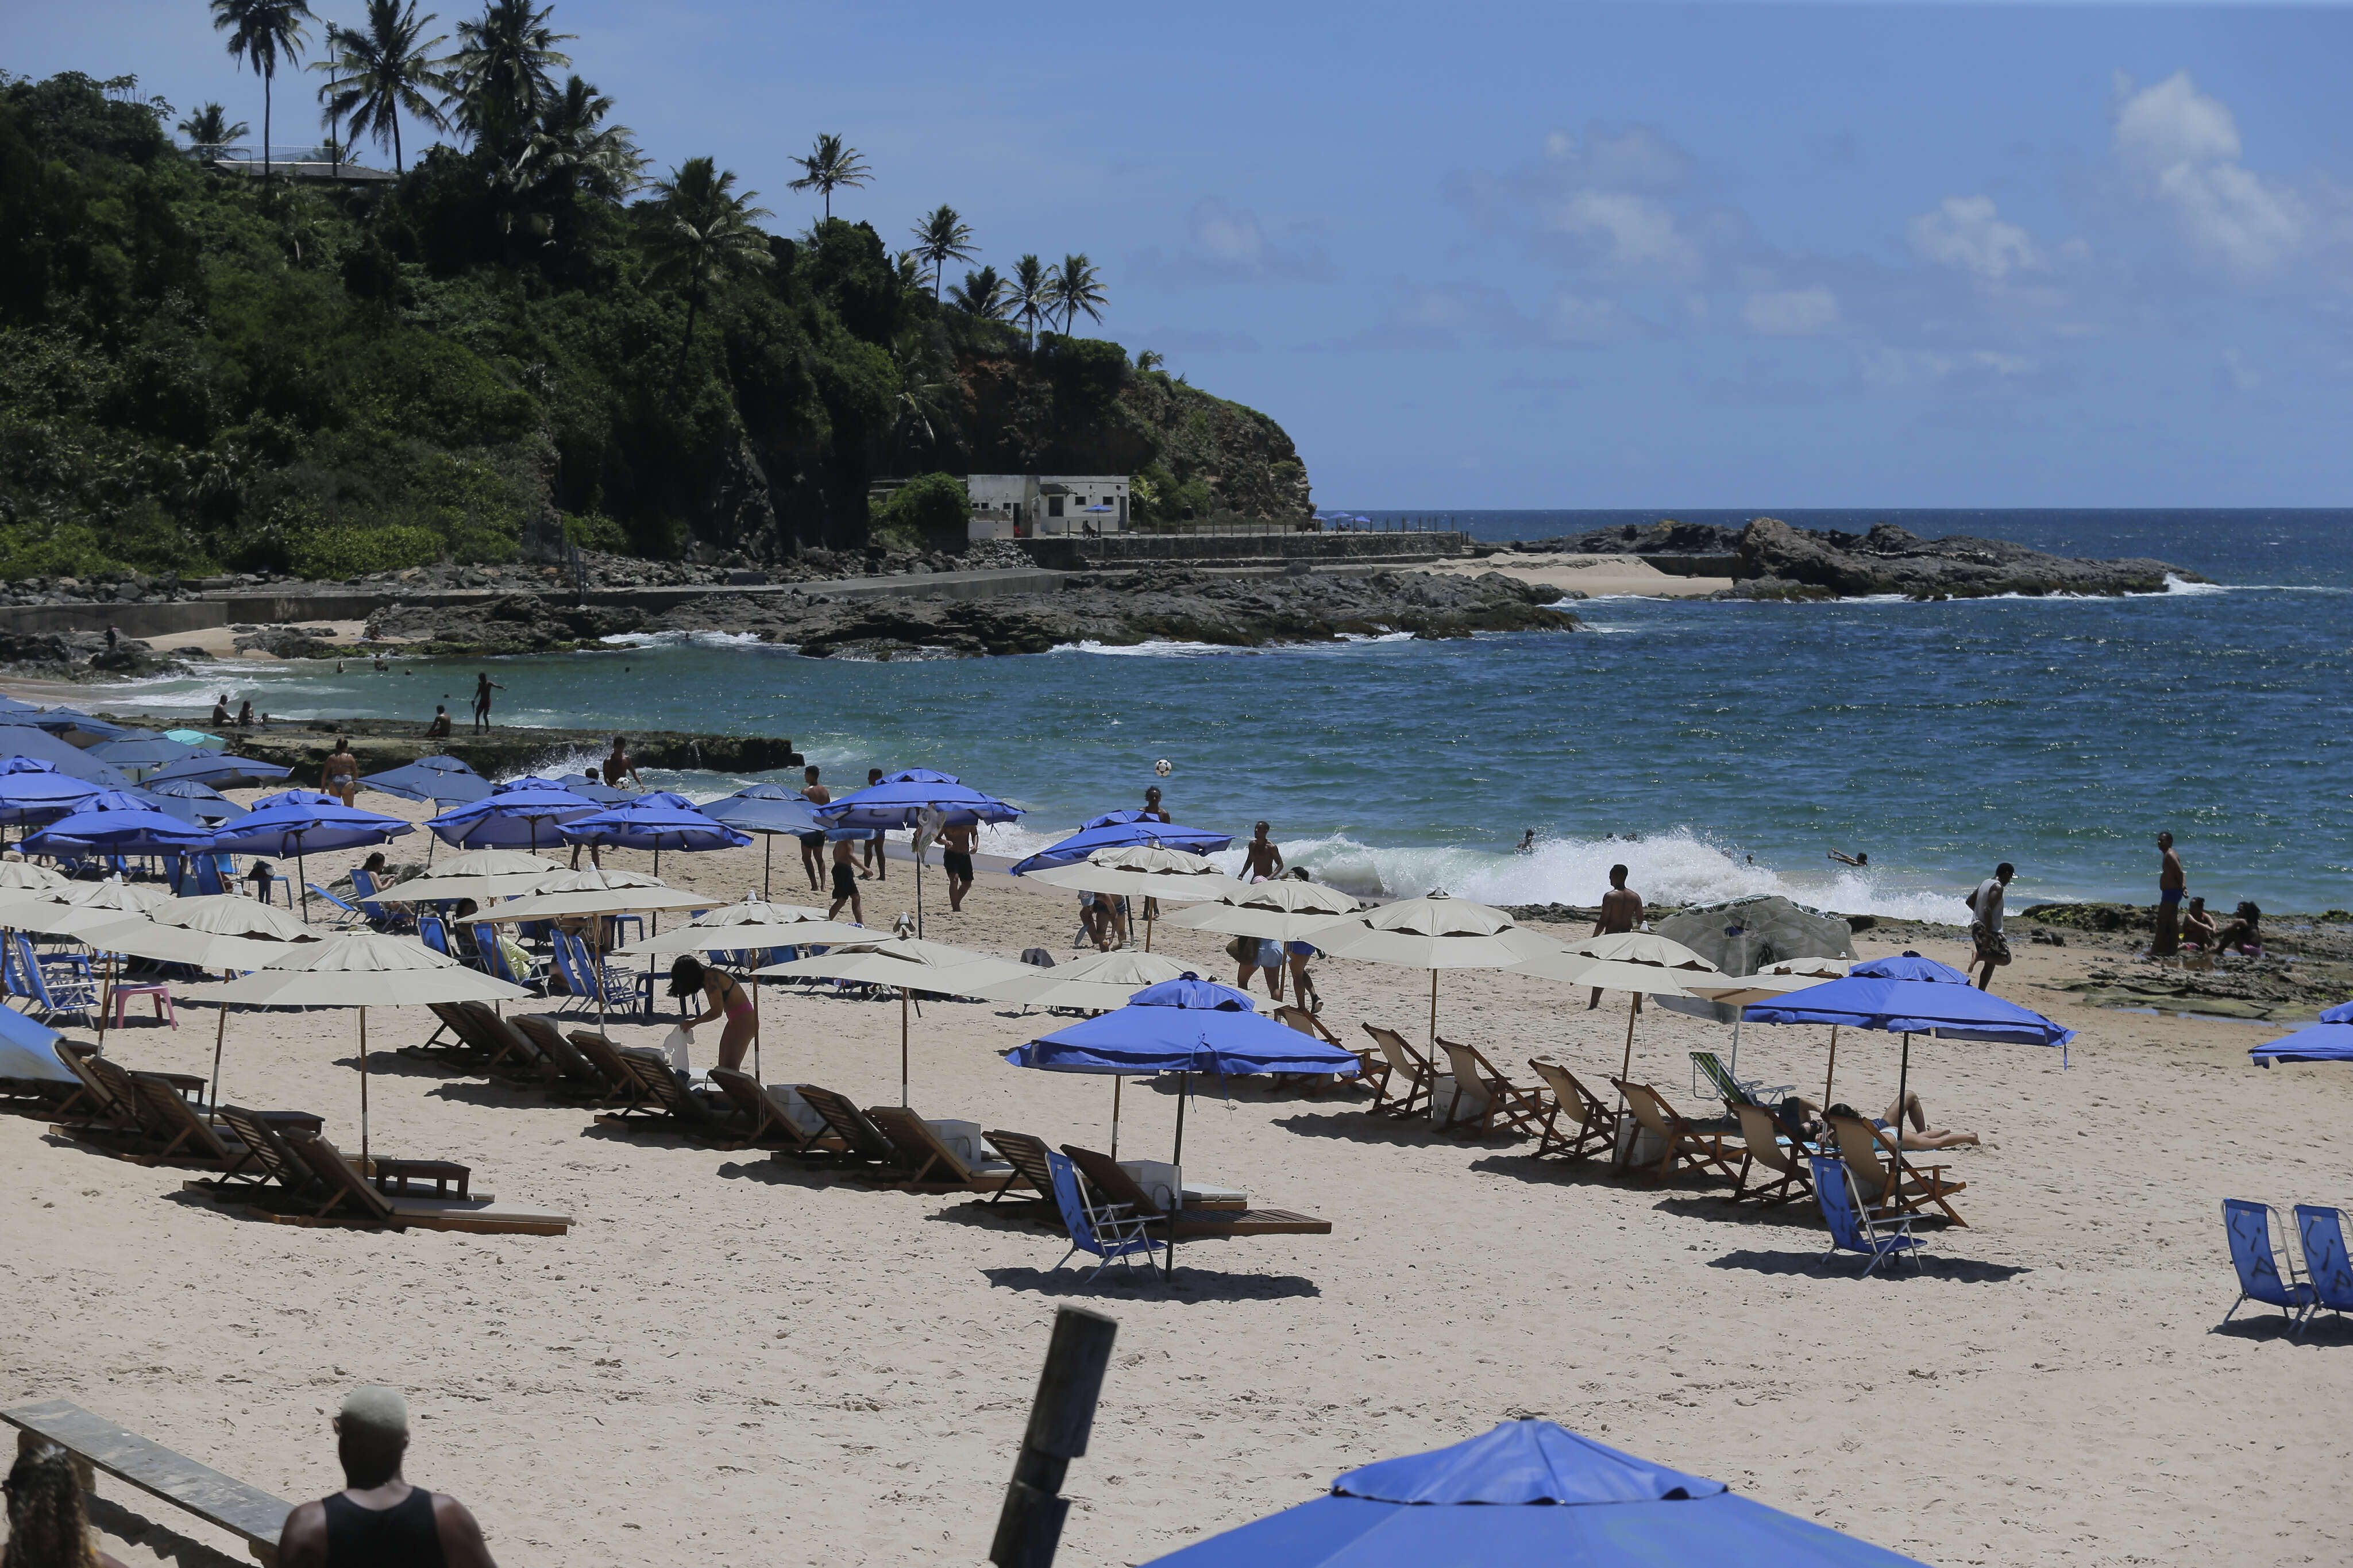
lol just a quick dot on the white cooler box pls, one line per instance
(963, 1138)
(803, 1114)
(1649, 1147)
(1160, 1181)
(1449, 1103)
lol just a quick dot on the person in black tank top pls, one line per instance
(378, 1520)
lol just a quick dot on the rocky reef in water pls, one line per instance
(1775, 561)
(1175, 604)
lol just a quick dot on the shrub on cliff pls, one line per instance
(921, 510)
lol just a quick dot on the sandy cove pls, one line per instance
(730, 1360)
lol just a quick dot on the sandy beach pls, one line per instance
(1596, 576)
(732, 1361)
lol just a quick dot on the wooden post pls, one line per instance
(1030, 1526)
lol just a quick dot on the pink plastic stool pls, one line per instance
(157, 992)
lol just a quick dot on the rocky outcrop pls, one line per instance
(1170, 604)
(1775, 561)
(76, 656)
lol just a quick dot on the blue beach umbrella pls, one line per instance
(193, 800)
(34, 791)
(117, 822)
(197, 738)
(2329, 1040)
(138, 755)
(1529, 1494)
(18, 705)
(444, 780)
(899, 800)
(23, 740)
(28, 1050)
(1121, 830)
(1184, 1026)
(766, 810)
(653, 822)
(299, 820)
(217, 768)
(1912, 995)
(73, 724)
(515, 815)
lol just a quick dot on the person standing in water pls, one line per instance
(1261, 861)
(2172, 882)
(483, 687)
(1621, 911)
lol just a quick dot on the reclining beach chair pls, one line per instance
(1596, 1124)
(665, 1102)
(104, 1097)
(383, 917)
(340, 913)
(176, 1132)
(1733, 1091)
(491, 954)
(934, 1165)
(1520, 1110)
(1878, 1233)
(374, 1203)
(558, 1064)
(1760, 1136)
(598, 983)
(1898, 1182)
(1313, 1084)
(620, 1078)
(2325, 1265)
(770, 1119)
(2261, 1278)
(1107, 1231)
(267, 1136)
(1687, 1143)
(1029, 1157)
(1111, 1181)
(1406, 1065)
(862, 1146)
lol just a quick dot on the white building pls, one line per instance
(1047, 506)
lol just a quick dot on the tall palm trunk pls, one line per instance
(268, 78)
(678, 374)
(397, 162)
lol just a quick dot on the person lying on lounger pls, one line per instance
(1917, 1135)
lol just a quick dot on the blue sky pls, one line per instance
(1747, 255)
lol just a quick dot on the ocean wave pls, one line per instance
(683, 640)
(1156, 649)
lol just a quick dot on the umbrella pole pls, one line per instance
(366, 1169)
(1626, 1068)
(302, 875)
(767, 864)
(756, 1028)
(1176, 1158)
(1830, 1077)
(918, 891)
(902, 1048)
(1433, 1020)
(1735, 1068)
(1902, 1087)
(1116, 1081)
(220, 1032)
(105, 998)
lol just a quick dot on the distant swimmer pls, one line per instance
(1528, 843)
(1843, 858)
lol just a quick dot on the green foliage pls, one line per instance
(336, 553)
(923, 508)
(595, 530)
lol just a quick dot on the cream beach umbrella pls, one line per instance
(23, 876)
(1631, 961)
(1434, 933)
(1286, 910)
(1097, 982)
(481, 875)
(600, 893)
(749, 923)
(910, 964)
(78, 906)
(364, 968)
(1776, 979)
(1149, 869)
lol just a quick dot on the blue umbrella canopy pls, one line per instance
(23, 740)
(652, 822)
(218, 768)
(523, 812)
(764, 808)
(28, 1050)
(1529, 1494)
(35, 791)
(1187, 1025)
(301, 822)
(589, 787)
(440, 779)
(68, 723)
(143, 751)
(1119, 830)
(902, 797)
(2329, 1040)
(1914, 995)
(193, 800)
(116, 822)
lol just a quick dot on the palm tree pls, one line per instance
(981, 295)
(260, 34)
(1028, 296)
(501, 76)
(210, 131)
(1149, 359)
(384, 68)
(569, 151)
(830, 166)
(704, 232)
(941, 238)
(1073, 286)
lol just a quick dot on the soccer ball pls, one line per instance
(1164, 767)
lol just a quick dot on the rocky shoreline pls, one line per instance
(382, 744)
(1157, 604)
(1772, 559)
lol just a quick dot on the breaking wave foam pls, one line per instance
(684, 639)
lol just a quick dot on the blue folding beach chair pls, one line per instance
(1112, 1231)
(2249, 1227)
(434, 935)
(2325, 1265)
(381, 916)
(1878, 1233)
(48, 990)
(492, 954)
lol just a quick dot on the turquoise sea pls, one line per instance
(1717, 749)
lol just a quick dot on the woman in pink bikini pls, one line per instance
(728, 998)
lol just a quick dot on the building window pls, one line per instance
(1053, 506)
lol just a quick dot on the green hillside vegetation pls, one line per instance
(516, 342)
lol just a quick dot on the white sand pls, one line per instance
(1594, 576)
(730, 1360)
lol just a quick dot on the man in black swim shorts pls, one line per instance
(813, 844)
(845, 883)
(955, 859)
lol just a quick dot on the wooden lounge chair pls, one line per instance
(97, 1100)
(461, 1046)
(1029, 1157)
(770, 1119)
(361, 1201)
(1760, 1136)
(265, 1135)
(604, 1055)
(1571, 1101)
(188, 1139)
(1113, 1184)
(1314, 1084)
(135, 1123)
(663, 1101)
(97, 1444)
(861, 1143)
(935, 1167)
(1687, 1143)
(1896, 1183)
(558, 1063)
(1406, 1066)
(1519, 1109)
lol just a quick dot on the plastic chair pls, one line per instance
(492, 953)
(64, 992)
(433, 934)
(1878, 1233)
(156, 991)
(2326, 1264)
(1112, 1231)
(363, 885)
(2249, 1227)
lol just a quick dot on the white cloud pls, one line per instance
(1791, 312)
(1581, 319)
(1967, 233)
(1623, 235)
(2181, 148)
(1228, 245)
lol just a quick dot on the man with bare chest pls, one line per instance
(1621, 911)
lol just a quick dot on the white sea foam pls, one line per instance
(1148, 650)
(683, 640)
